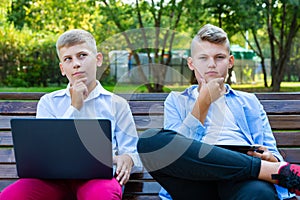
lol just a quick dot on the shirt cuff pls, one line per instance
(137, 163)
(192, 128)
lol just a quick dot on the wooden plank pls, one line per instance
(8, 171)
(278, 96)
(148, 96)
(7, 156)
(286, 107)
(154, 107)
(18, 108)
(283, 138)
(142, 122)
(144, 96)
(278, 122)
(8, 168)
(5, 121)
(149, 188)
(291, 154)
(146, 122)
(281, 122)
(21, 95)
(287, 138)
(5, 139)
(140, 197)
(147, 107)
(29, 108)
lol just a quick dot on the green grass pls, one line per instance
(258, 87)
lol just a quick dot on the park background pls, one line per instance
(145, 43)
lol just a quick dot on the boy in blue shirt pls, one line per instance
(183, 157)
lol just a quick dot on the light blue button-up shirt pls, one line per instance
(100, 104)
(247, 113)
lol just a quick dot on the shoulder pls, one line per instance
(119, 103)
(187, 93)
(118, 99)
(54, 94)
(244, 96)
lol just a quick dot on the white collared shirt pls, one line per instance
(100, 104)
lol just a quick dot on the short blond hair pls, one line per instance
(212, 34)
(74, 37)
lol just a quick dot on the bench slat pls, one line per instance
(283, 122)
(153, 107)
(283, 138)
(278, 96)
(18, 108)
(7, 157)
(287, 107)
(287, 138)
(149, 96)
(150, 188)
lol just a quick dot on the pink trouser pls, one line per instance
(36, 189)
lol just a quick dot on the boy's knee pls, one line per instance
(145, 141)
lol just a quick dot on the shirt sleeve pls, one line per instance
(46, 108)
(125, 132)
(178, 118)
(269, 139)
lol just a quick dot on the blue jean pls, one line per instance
(190, 169)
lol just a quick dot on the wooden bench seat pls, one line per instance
(283, 110)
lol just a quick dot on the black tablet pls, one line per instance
(241, 148)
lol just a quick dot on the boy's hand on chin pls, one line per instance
(78, 92)
(215, 88)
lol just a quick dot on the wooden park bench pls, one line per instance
(283, 110)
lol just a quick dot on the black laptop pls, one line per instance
(63, 148)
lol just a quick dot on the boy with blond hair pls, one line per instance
(84, 97)
(185, 157)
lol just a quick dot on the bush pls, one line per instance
(28, 59)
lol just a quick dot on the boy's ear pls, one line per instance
(231, 61)
(190, 63)
(99, 59)
(62, 70)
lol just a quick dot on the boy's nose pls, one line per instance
(76, 63)
(211, 63)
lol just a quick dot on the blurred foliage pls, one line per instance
(29, 29)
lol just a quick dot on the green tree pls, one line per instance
(164, 16)
(283, 23)
(280, 19)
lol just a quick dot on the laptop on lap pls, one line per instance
(63, 148)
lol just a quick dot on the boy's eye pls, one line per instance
(66, 59)
(220, 57)
(82, 55)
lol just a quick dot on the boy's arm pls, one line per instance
(125, 132)
(178, 117)
(209, 92)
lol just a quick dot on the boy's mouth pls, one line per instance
(76, 74)
(211, 73)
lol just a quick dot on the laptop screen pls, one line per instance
(63, 148)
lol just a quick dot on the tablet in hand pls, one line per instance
(241, 148)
